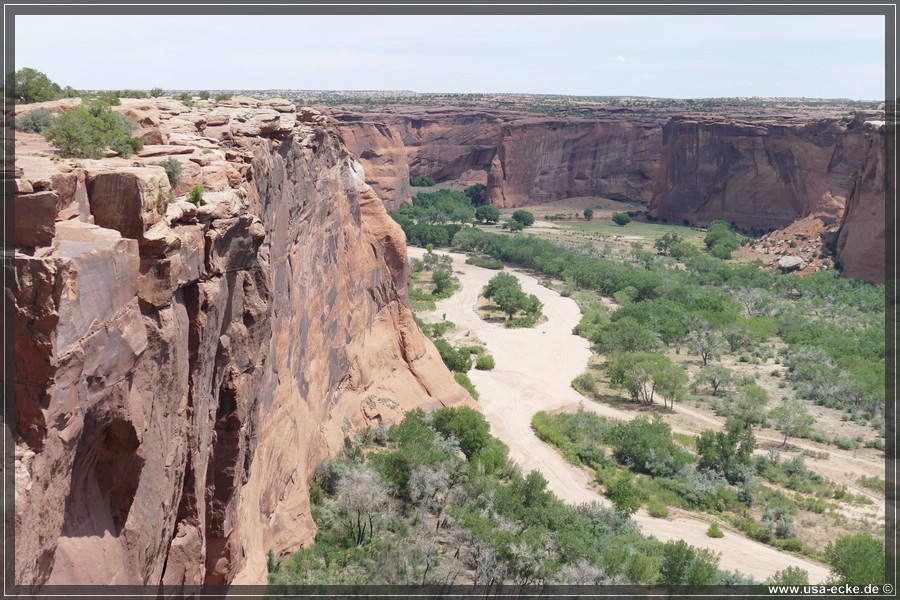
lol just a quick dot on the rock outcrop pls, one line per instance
(861, 245)
(522, 159)
(757, 175)
(181, 370)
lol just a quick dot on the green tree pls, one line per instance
(625, 496)
(625, 335)
(641, 373)
(621, 219)
(857, 559)
(487, 213)
(203, 95)
(467, 425)
(717, 377)
(647, 447)
(682, 564)
(157, 92)
(477, 194)
(588, 214)
(721, 240)
(30, 85)
(506, 291)
(443, 282)
(524, 217)
(666, 242)
(672, 383)
(705, 342)
(792, 417)
(727, 451)
(750, 404)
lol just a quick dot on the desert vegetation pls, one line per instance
(434, 501)
(505, 292)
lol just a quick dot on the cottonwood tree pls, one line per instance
(727, 451)
(717, 377)
(705, 342)
(645, 373)
(792, 417)
(750, 404)
(756, 301)
(672, 384)
(363, 503)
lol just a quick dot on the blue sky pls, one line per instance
(663, 56)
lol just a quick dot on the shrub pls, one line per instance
(421, 181)
(463, 380)
(657, 509)
(485, 362)
(456, 360)
(186, 99)
(85, 132)
(721, 252)
(588, 214)
(173, 170)
(203, 95)
(485, 263)
(122, 146)
(586, 384)
(196, 194)
(137, 144)
(621, 219)
(714, 531)
(34, 122)
(857, 559)
(625, 496)
(222, 97)
(157, 92)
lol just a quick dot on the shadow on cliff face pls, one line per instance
(105, 477)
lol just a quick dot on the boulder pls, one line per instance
(791, 263)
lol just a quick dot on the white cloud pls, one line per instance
(619, 58)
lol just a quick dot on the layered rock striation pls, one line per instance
(181, 370)
(862, 241)
(757, 175)
(522, 159)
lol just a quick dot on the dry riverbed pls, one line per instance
(534, 369)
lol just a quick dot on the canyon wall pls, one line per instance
(182, 369)
(757, 175)
(541, 161)
(861, 245)
(522, 159)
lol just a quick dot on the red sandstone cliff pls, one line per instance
(180, 369)
(523, 160)
(761, 175)
(861, 241)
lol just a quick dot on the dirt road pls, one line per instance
(534, 369)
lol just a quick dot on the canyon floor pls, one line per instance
(534, 370)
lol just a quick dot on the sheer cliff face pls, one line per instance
(181, 370)
(543, 161)
(760, 176)
(861, 242)
(523, 160)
